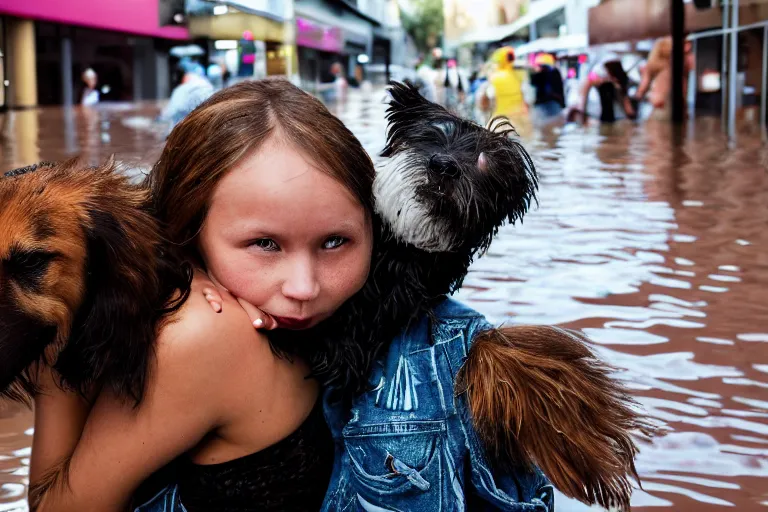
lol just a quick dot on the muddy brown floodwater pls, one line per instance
(654, 243)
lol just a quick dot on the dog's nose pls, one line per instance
(443, 165)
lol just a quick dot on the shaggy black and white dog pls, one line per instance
(442, 190)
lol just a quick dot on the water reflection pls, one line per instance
(655, 245)
(652, 240)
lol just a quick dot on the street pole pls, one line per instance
(724, 67)
(691, 92)
(733, 69)
(67, 83)
(765, 78)
(678, 40)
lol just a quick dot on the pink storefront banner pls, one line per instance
(132, 16)
(320, 37)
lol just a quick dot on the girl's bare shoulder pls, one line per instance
(217, 341)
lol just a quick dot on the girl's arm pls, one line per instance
(66, 413)
(188, 395)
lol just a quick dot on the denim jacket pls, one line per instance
(408, 445)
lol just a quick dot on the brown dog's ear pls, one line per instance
(130, 285)
(537, 395)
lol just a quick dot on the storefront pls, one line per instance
(319, 47)
(250, 38)
(729, 45)
(48, 44)
(327, 34)
(125, 64)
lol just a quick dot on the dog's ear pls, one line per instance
(537, 395)
(128, 280)
(405, 94)
(406, 108)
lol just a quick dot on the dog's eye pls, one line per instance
(28, 267)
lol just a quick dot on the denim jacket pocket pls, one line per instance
(397, 463)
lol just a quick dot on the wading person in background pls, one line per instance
(548, 83)
(656, 76)
(505, 89)
(90, 94)
(612, 84)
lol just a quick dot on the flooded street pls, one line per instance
(654, 243)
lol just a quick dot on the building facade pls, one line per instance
(248, 38)
(476, 26)
(358, 34)
(47, 44)
(462, 17)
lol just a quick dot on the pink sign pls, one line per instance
(313, 35)
(132, 16)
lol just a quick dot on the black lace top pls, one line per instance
(291, 475)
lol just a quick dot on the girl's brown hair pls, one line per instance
(234, 122)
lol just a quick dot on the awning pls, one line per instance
(493, 34)
(632, 20)
(536, 11)
(276, 10)
(354, 29)
(189, 50)
(553, 44)
(232, 26)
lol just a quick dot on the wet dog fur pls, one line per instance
(84, 279)
(537, 394)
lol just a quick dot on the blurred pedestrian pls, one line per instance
(438, 75)
(612, 84)
(340, 83)
(656, 76)
(215, 75)
(548, 83)
(425, 78)
(481, 105)
(455, 86)
(226, 74)
(90, 93)
(193, 89)
(505, 90)
(572, 87)
(247, 55)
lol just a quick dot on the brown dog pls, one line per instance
(84, 280)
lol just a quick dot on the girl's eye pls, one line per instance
(266, 244)
(334, 242)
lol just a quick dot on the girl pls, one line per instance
(270, 195)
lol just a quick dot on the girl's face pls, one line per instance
(286, 237)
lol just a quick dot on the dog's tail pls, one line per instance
(537, 395)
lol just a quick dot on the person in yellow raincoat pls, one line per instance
(505, 88)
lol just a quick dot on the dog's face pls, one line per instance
(42, 264)
(447, 184)
(78, 268)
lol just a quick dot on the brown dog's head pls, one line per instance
(83, 277)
